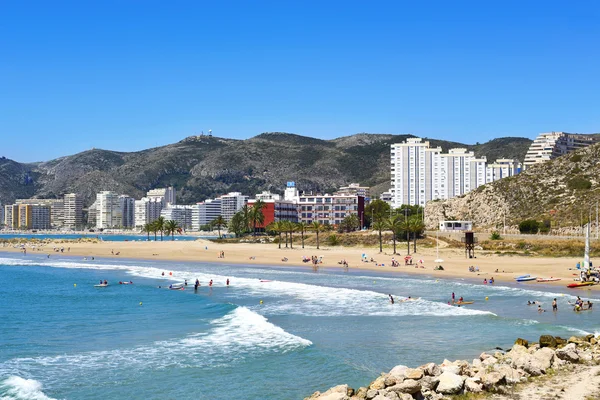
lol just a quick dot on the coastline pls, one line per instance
(456, 266)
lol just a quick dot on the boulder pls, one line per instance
(545, 356)
(380, 397)
(391, 380)
(568, 353)
(399, 370)
(449, 383)
(405, 396)
(452, 368)
(432, 369)
(588, 338)
(492, 379)
(371, 393)
(361, 393)
(414, 374)
(391, 396)
(547, 341)
(575, 339)
(522, 342)
(339, 392)
(473, 385)
(560, 341)
(409, 386)
(511, 375)
(593, 341)
(429, 383)
(476, 363)
(378, 383)
(483, 356)
(488, 362)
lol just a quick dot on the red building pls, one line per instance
(277, 210)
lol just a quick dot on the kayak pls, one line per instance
(526, 278)
(548, 279)
(460, 303)
(101, 285)
(522, 277)
(580, 284)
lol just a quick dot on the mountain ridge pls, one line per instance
(205, 166)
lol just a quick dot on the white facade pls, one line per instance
(231, 203)
(502, 168)
(180, 214)
(554, 144)
(451, 226)
(355, 189)
(266, 195)
(166, 194)
(108, 213)
(147, 210)
(204, 213)
(73, 211)
(329, 209)
(127, 205)
(291, 193)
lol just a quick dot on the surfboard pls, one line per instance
(102, 285)
(548, 279)
(460, 303)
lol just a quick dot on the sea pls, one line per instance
(273, 333)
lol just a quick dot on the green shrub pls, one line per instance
(576, 157)
(333, 240)
(529, 226)
(495, 236)
(579, 183)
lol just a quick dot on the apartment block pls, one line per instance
(108, 210)
(231, 203)
(11, 216)
(127, 205)
(204, 213)
(547, 146)
(147, 210)
(329, 209)
(72, 211)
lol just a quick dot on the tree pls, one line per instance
(276, 227)
(350, 223)
(417, 226)
(529, 226)
(160, 226)
(147, 228)
(237, 224)
(376, 210)
(379, 225)
(154, 228)
(256, 214)
(245, 212)
(394, 224)
(290, 227)
(171, 227)
(219, 222)
(317, 227)
(302, 227)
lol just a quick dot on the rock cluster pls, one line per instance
(488, 373)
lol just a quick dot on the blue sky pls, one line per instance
(128, 75)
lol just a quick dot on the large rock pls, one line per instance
(339, 392)
(449, 383)
(371, 393)
(391, 380)
(415, 374)
(405, 396)
(409, 386)
(452, 368)
(547, 341)
(378, 383)
(429, 383)
(361, 393)
(399, 370)
(488, 362)
(521, 358)
(511, 375)
(473, 385)
(545, 356)
(492, 379)
(522, 342)
(568, 353)
(432, 369)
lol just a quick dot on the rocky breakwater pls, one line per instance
(493, 373)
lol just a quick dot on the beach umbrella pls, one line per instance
(408, 258)
(421, 261)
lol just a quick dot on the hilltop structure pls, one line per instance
(555, 144)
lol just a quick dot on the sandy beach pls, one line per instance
(455, 264)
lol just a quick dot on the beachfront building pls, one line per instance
(420, 174)
(205, 212)
(56, 209)
(182, 214)
(501, 168)
(231, 203)
(329, 209)
(127, 206)
(11, 216)
(355, 189)
(108, 211)
(275, 209)
(147, 210)
(291, 192)
(555, 144)
(73, 211)
(167, 195)
(33, 216)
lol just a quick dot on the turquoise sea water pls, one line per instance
(106, 238)
(313, 330)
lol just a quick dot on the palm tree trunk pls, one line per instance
(161, 233)
(408, 242)
(415, 242)
(155, 236)
(219, 230)
(394, 239)
(380, 242)
(302, 238)
(279, 239)
(286, 240)
(291, 240)
(172, 236)
(317, 240)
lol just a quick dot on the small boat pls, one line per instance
(522, 277)
(101, 285)
(460, 303)
(176, 288)
(580, 284)
(548, 279)
(526, 278)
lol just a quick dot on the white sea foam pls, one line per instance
(17, 388)
(237, 335)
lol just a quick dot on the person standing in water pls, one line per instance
(453, 297)
(227, 282)
(554, 305)
(210, 283)
(391, 299)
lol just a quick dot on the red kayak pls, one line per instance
(580, 284)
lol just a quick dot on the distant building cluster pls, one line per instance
(555, 144)
(420, 173)
(64, 213)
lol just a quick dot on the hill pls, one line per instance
(561, 192)
(203, 167)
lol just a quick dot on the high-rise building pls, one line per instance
(127, 205)
(34, 216)
(11, 216)
(166, 194)
(56, 209)
(73, 211)
(555, 144)
(109, 213)
(355, 189)
(502, 168)
(329, 209)
(275, 209)
(147, 210)
(231, 203)
(455, 173)
(182, 214)
(1, 216)
(204, 213)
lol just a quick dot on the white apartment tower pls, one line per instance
(231, 203)
(204, 213)
(166, 194)
(127, 205)
(147, 210)
(73, 211)
(108, 212)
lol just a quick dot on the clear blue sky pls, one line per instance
(127, 75)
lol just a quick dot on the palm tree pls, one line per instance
(256, 214)
(350, 223)
(147, 228)
(380, 225)
(277, 228)
(160, 226)
(237, 224)
(153, 227)
(245, 212)
(219, 222)
(171, 227)
(417, 226)
(395, 225)
(317, 227)
(289, 228)
(302, 227)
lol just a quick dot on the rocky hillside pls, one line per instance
(202, 167)
(561, 192)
